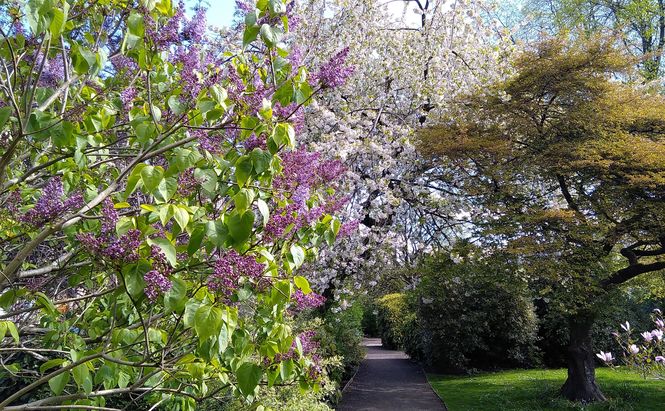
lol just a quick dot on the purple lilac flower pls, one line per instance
(155, 284)
(195, 29)
(168, 34)
(123, 63)
(110, 217)
(253, 142)
(187, 183)
(334, 73)
(230, 268)
(307, 301)
(660, 359)
(127, 97)
(50, 204)
(347, 228)
(53, 72)
(657, 334)
(107, 244)
(244, 6)
(292, 18)
(13, 201)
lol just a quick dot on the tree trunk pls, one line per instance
(581, 383)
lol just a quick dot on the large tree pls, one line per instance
(564, 163)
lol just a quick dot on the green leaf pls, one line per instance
(240, 226)
(284, 134)
(264, 210)
(13, 331)
(167, 248)
(58, 20)
(250, 35)
(270, 35)
(217, 232)
(191, 307)
(176, 297)
(195, 240)
(82, 377)
(243, 199)
(298, 255)
(54, 362)
(58, 383)
(286, 370)
(249, 376)
(5, 112)
(260, 160)
(181, 217)
(207, 321)
(243, 170)
(302, 283)
(151, 176)
(133, 276)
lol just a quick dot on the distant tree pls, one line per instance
(639, 25)
(564, 165)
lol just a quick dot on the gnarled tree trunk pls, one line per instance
(581, 383)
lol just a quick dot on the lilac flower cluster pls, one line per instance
(187, 183)
(293, 113)
(307, 301)
(195, 28)
(53, 72)
(156, 283)
(303, 172)
(168, 34)
(50, 204)
(123, 63)
(230, 268)
(307, 342)
(12, 202)
(123, 248)
(253, 142)
(108, 244)
(335, 72)
(306, 169)
(127, 97)
(347, 228)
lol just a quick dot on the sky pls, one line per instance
(220, 12)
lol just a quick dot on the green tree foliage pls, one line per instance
(564, 164)
(638, 25)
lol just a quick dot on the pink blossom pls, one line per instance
(660, 359)
(626, 326)
(647, 336)
(633, 349)
(605, 356)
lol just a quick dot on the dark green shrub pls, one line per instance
(471, 314)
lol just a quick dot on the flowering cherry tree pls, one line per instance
(156, 205)
(402, 62)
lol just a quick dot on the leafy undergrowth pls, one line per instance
(536, 390)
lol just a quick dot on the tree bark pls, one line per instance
(581, 383)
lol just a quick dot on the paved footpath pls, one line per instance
(386, 381)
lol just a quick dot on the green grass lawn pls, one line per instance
(536, 390)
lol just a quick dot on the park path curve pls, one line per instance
(387, 380)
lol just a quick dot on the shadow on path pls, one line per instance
(388, 380)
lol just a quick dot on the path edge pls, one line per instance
(352, 377)
(445, 407)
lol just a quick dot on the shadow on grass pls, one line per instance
(537, 390)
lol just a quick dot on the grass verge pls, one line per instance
(536, 390)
